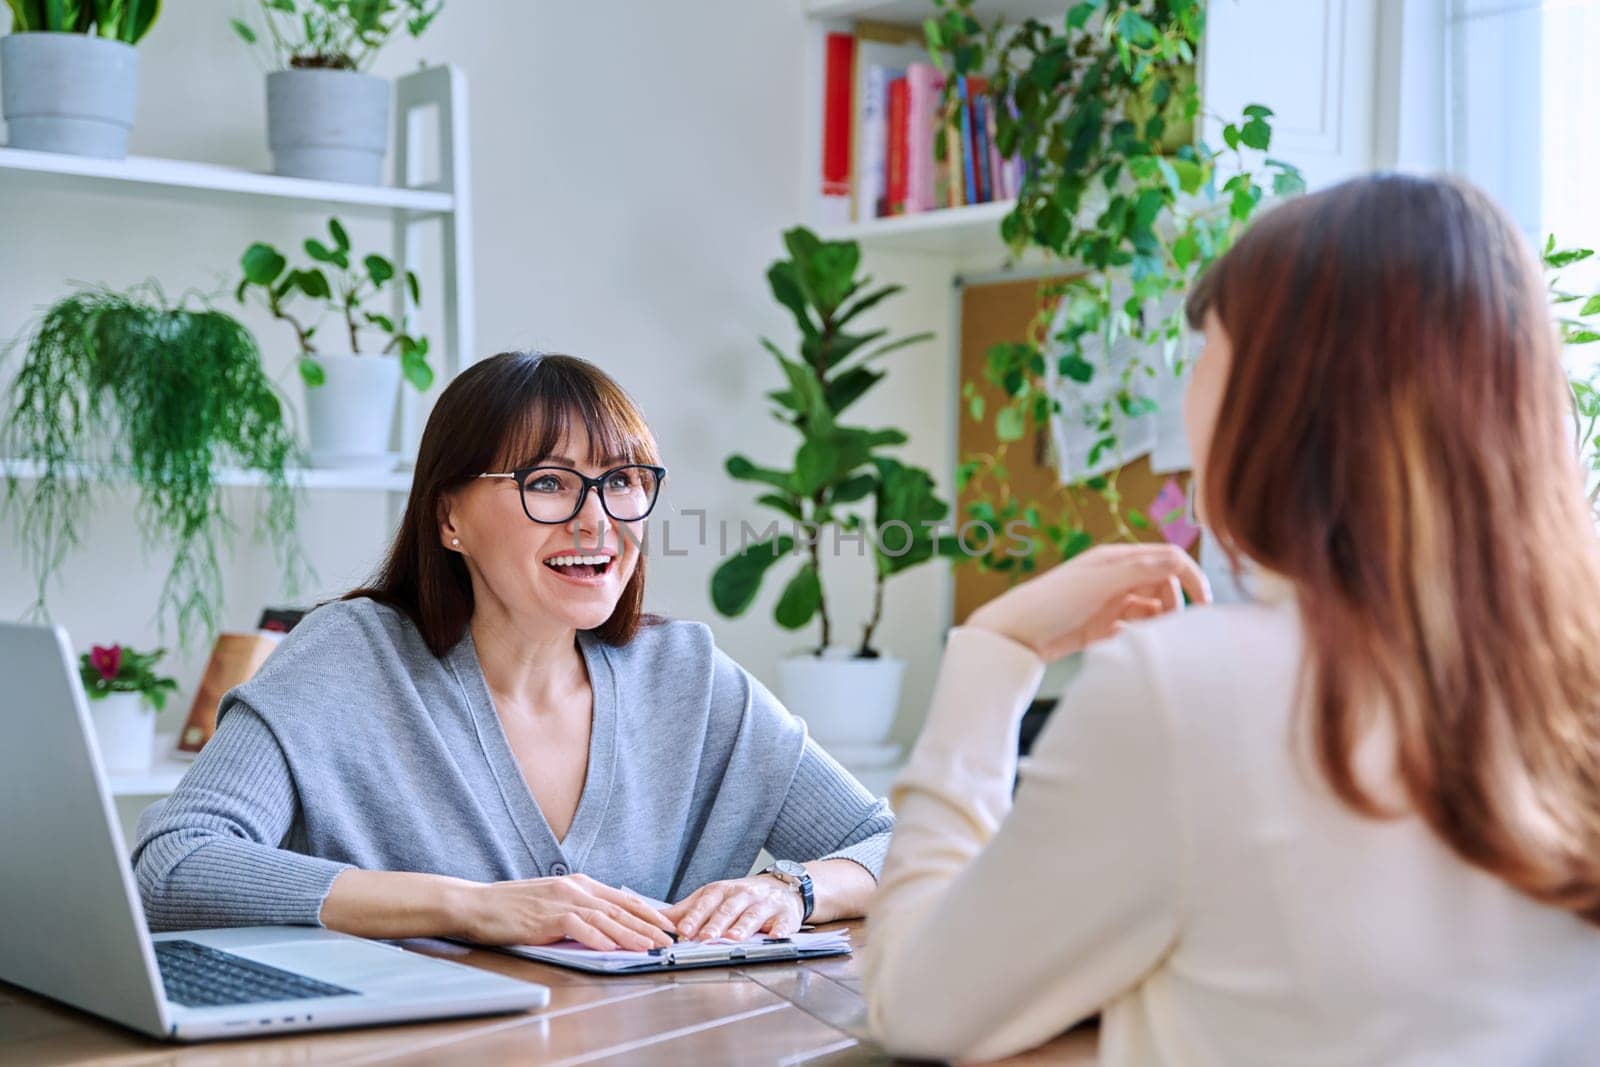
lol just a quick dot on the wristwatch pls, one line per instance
(793, 874)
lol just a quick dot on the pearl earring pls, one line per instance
(456, 541)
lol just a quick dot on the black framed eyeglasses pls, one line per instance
(556, 494)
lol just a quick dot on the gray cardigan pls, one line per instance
(356, 746)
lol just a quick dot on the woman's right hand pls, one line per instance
(538, 911)
(1091, 596)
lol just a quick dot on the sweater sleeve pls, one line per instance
(211, 854)
(995, 928)
(827, 814)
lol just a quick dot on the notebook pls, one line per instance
(721, 952)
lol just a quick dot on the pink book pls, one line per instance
(924, 86)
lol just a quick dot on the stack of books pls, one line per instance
(884, 117)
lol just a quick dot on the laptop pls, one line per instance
(73, 928)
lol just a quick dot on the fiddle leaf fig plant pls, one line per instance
(333, 282)
(838, 479)
(1102, 107)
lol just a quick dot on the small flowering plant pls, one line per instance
(114, 669)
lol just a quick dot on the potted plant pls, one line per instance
(1120, 192)
(326, 118)
(838, 481)
(125, 693)
(127, 387)
(350, 391)
(71, 74)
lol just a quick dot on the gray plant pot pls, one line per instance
(69, 92)
(332, 125)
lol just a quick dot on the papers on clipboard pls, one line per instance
(716, 953)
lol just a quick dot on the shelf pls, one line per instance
(178, 179)
(159, 780)
(917, 11)
(300, 478)
(955, 230)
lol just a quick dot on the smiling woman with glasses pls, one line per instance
(492, 739)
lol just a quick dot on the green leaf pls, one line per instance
(1567, 257)
(853, 489)
(413, 287)
(319, 251)
(1230, 135)
(341, 239)
(1076, 368)
(1077, 543)
(1256, 134)
(1258, 111)
(1591, 305)
(1184, 251)
(379, 269)
(414, 368)
(313, 283)
(800, 598)
(243, 31)
(1009, 424)
(262, 264)
(741, 468)
(1288, 183)
(1191, 176)
(786, 504)
(382, 322)
(735, 583)
(311, 372)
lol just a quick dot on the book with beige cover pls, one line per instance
(234, 659)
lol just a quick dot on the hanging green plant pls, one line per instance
(118, 387)
(1101, 106)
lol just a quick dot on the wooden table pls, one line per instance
(774, 1013)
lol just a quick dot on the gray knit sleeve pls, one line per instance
(829, 815)
(211, 855)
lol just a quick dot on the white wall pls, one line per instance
(633, 165)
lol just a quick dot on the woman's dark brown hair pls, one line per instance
(504, 412)
(1393, 438)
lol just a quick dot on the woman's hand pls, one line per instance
(738, 908)
(1089, 597)
(537, 911)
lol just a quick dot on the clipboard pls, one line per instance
(687, 955)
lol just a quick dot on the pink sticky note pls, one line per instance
(1169, 511)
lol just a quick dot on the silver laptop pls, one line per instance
(71, 926)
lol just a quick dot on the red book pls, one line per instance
(838, 79)
(899, 149)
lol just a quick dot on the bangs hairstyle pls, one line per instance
(505, 412)
(1394, 437)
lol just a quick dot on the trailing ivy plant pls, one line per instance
(1101, 105)
(126, 386)
(835, 466)
(268, 277)
(334, 34)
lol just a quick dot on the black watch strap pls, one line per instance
(807, 898)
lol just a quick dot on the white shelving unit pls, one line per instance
(438, 94)
(161, 778)
(970, 234)
(300, 478)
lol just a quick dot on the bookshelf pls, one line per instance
(969, 234)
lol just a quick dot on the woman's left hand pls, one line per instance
(738, 908)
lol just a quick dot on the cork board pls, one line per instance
(993, 313)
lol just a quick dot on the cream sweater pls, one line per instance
(1168, 863)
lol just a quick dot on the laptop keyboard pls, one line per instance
(199, 976)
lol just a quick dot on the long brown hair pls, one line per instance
(1393, 438)
(501, 413)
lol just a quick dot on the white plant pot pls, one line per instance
(332, 125)
(68, 92)
(124, 730)
(350, 417)
(844, 701)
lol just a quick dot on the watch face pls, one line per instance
(791, 868)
